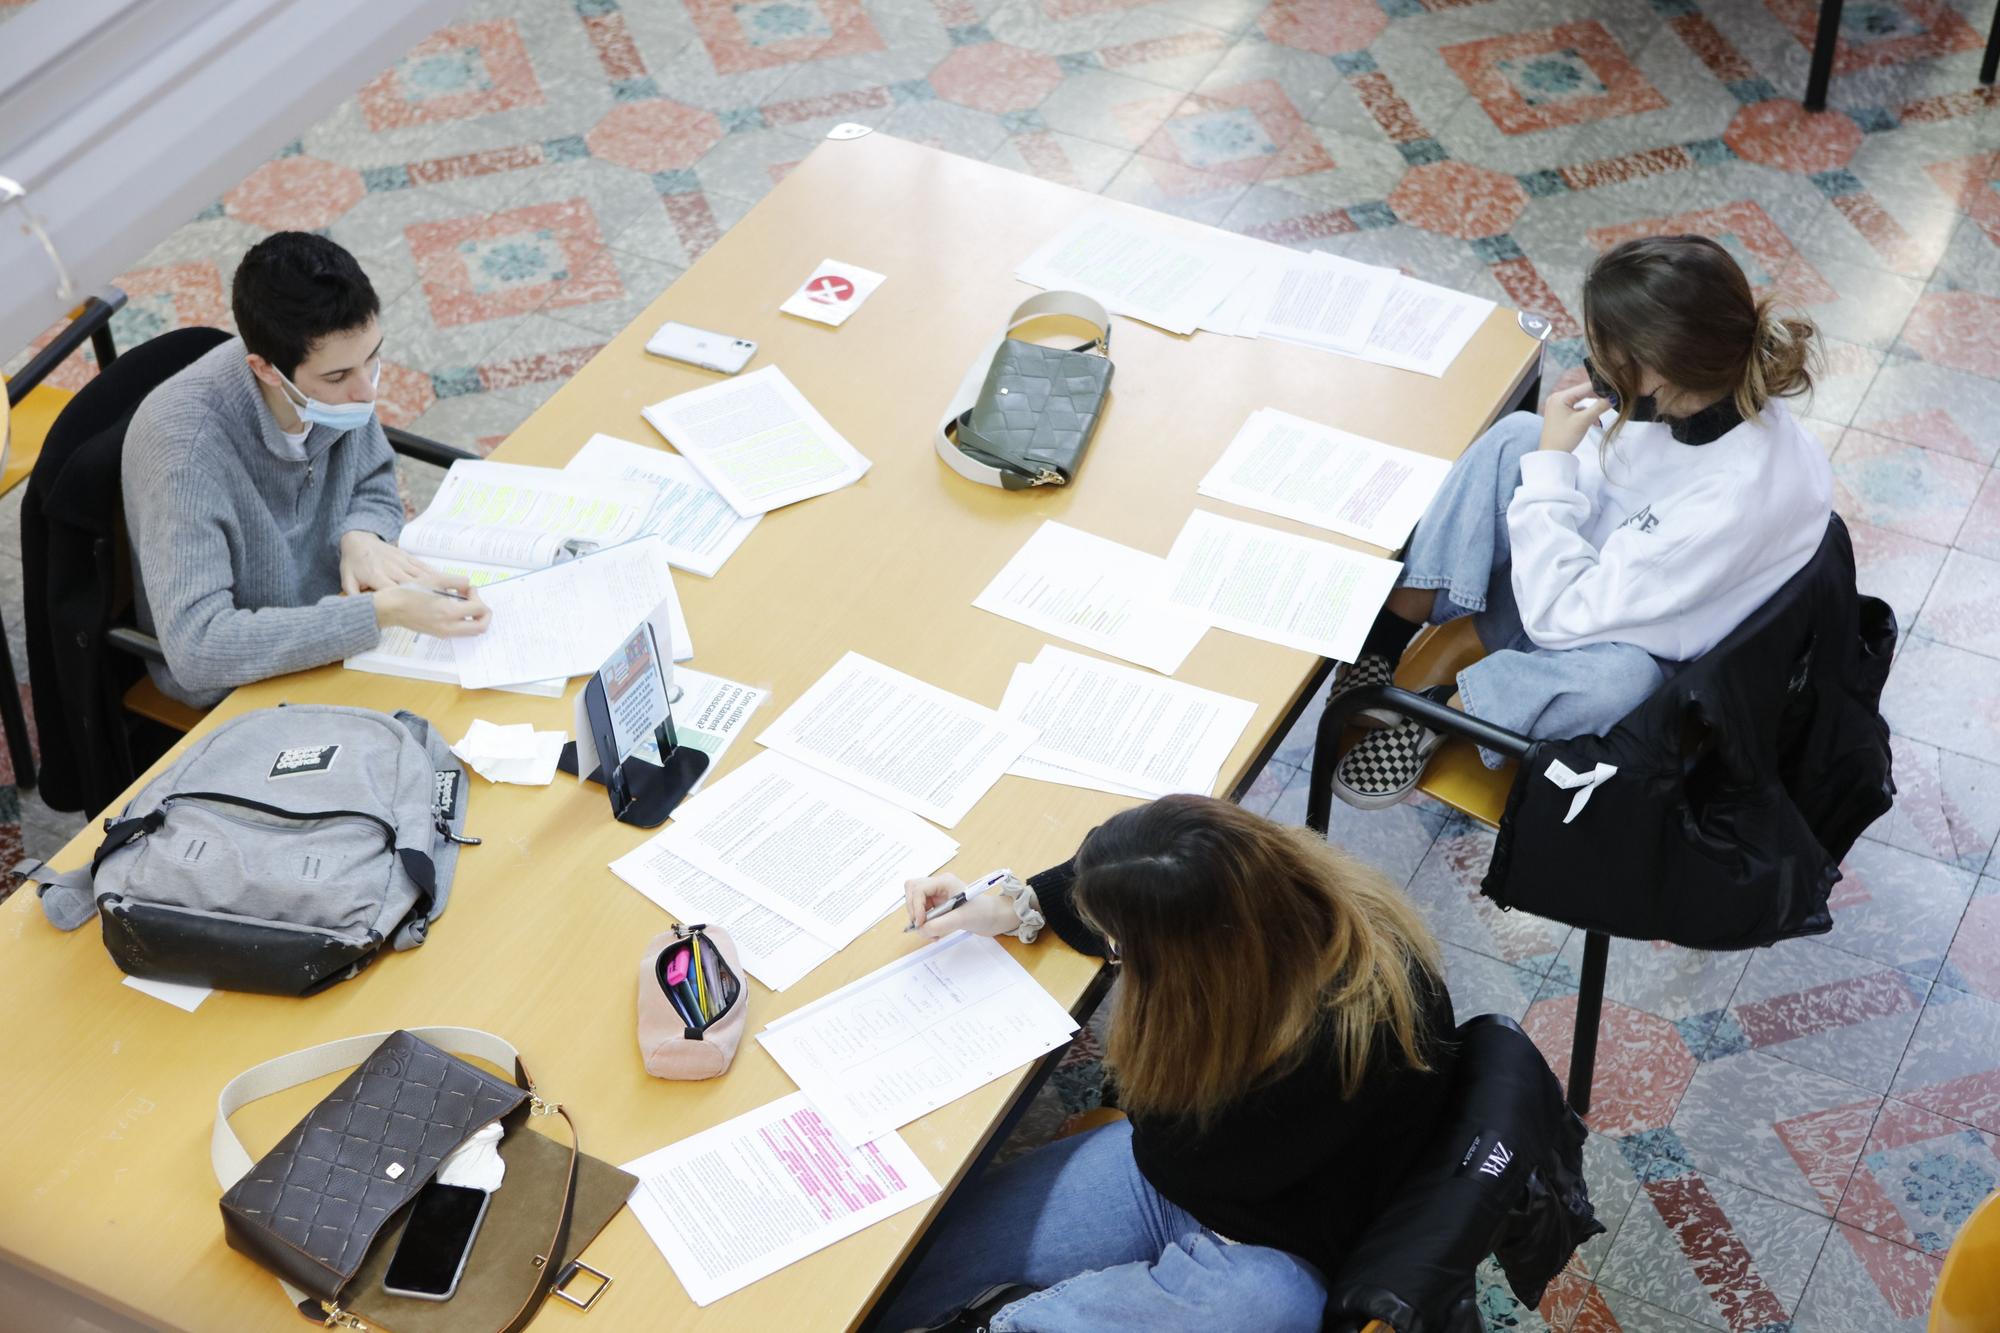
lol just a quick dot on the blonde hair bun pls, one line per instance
(1782, 362)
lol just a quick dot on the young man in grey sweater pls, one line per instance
(260, 492)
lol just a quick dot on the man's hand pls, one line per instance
(369, 564)
(1568, 415)
(419, 607)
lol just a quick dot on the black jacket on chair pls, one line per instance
(1740, 784)
(76, 582)
(1501, 1174)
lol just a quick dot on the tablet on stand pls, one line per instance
(629, 713)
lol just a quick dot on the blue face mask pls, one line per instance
(335, 416)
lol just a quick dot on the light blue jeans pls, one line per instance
(1075, 1219)
(1461, 549)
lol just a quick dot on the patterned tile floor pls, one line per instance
(1784, 1140)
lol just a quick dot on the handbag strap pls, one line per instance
(232, 1161)
(1040, 306)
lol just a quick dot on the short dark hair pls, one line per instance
(294, 288)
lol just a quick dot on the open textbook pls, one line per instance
(490, 521)
(522, 517)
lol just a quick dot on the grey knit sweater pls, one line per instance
(236, 551)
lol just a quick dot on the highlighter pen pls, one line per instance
(700, 982)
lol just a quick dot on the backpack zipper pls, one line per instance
(388, 829)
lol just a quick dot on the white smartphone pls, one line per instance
(699, 347)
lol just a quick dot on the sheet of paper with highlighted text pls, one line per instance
(744, 1199)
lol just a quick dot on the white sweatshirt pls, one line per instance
(1665, 545)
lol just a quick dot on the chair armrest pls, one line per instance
(1436, 716)
(424, 450)
(93, 318)
(135, 642)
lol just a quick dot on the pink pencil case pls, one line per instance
(693, 1003)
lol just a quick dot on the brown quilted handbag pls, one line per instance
(323, 1208)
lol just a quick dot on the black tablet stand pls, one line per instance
(644, 794)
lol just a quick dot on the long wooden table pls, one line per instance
(104, 1173)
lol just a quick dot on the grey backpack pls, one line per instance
(279, 854)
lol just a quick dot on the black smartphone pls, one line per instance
(430, 1257)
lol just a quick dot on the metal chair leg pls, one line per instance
(1589, 1008)
(1319, 777)
(1989, 66)
(1824, 42)
(14, 720)
(106, 347)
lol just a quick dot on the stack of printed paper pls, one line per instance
(1276, 586)
(774, 948)
(701, 528)
(899, 738)
(1295, 468)
(743, 1199)
(757, 441)
(829, 859)
(910, 1037)
(1181, 281)
(1094, 592)
(1115, 729)
(1138, 269)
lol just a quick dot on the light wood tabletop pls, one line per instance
(105, 1171)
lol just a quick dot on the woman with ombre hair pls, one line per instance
(1280, 1044)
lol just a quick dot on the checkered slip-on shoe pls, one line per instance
(1384, 766)
(1368, 669)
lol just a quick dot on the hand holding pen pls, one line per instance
(941, 904)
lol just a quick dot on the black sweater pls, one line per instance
(1292, 1164)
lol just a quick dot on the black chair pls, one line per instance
(33, 404)
(1501, 1174)
(1741, 783)
(1827, 38)
(101, 719)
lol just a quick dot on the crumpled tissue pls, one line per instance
(476, 1163)
(517, 754)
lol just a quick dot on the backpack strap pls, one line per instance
(434, 865)
(66, 895)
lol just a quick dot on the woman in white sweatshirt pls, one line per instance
(1627, 529)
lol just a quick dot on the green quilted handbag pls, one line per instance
(1025, 413)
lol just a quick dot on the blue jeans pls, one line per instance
(1075, 1219)
(1461, 549)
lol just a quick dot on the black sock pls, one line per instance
(1389, 635)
